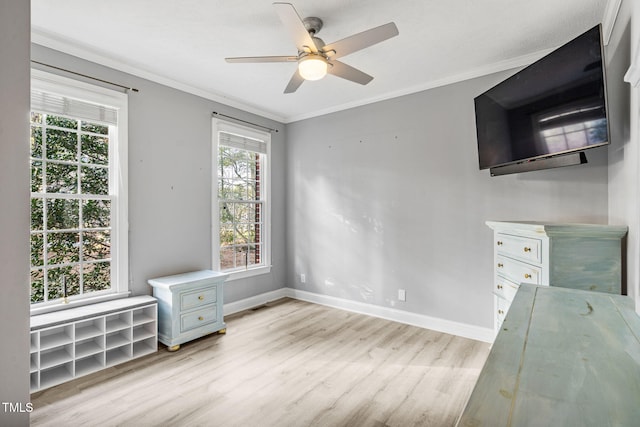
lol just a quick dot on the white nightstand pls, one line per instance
(190, 305)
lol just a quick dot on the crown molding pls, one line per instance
(73, 48)
(609, 19)
(496, 67)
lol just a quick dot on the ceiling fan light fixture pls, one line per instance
(312, 67)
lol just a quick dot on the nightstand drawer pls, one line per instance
(517, 271)
(523, 248)
(197, 298)
(198, 318)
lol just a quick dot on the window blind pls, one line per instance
(242, 143)
(57, 104)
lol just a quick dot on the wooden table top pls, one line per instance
(564, 357)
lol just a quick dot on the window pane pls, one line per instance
(37, 186)
(95, 180)
(62, 122)
(95, 128)
(60, 278)
(36, 118)
(96, 213)
(241, 233)
(96, 277)
(62, 214)
(226, 213)
(36, 142)
(37, 286)
(62, 178)
(226, 235)
(37, 215)
(63, 248)
(226, 189)
(243, 212)
(96, 245)
(95, 149)
(241, 253)
(227, 257)
(62, 145)
(37, 249)
(254, 255)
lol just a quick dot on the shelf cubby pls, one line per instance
(34, 381)
(34, 341)
(56, 356)
(118, 355)
(89, 328)
(146, 346)
(144, 315)
(53, 376)
(56, 336)
(87, 365)
(89, 346)
(34, 365)
(117, 322)
(144, 331)
(118, 338)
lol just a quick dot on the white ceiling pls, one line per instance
(183, 44)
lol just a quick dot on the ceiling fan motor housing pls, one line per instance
(312, 24)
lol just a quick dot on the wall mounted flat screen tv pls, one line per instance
(554, 107)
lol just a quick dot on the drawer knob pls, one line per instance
(200, 318)
(499, 243)
(201, 297)
(500, 265)
(500, 312)
(527, 249)
(527, 276)
(499, 286)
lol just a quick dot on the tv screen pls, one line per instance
(555, 106)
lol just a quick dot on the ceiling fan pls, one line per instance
(316, 59)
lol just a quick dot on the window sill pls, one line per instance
(77, 303)
(243, 274)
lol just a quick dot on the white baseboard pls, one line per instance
(254, 301)
(420, 320)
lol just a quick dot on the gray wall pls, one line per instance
(14, 214)
(170, 180)
(389, 196)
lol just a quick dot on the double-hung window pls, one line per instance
(78, 192)
(241, 211)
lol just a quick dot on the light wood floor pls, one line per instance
(290, 363)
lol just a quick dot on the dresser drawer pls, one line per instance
(524, 248)
(197, 298)
(502, 307)
(517, 271)
(505, 288)
(198, 318)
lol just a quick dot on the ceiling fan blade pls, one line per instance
(262, 59)
(340, 69)
(294, 83)
(361, 40)
(295, 26)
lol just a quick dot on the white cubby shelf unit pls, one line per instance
(71, 343)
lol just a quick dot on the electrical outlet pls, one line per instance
(303, 278)
(402, 295)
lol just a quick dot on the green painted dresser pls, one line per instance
(578, 256)
(563, 357)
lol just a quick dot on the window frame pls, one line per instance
(118, 185)
(218, 126)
